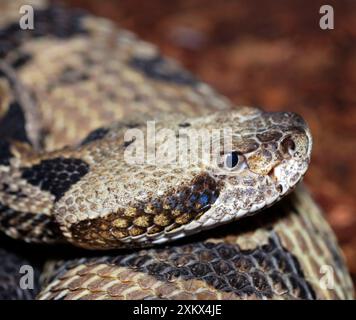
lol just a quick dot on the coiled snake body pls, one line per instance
(64, 177)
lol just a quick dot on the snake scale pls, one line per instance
(70, 91)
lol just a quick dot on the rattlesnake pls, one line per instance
(77, 93)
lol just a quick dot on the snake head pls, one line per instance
(130, 204)
(269, 154)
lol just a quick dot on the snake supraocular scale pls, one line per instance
(64, 174)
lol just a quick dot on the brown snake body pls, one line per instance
(65, 178)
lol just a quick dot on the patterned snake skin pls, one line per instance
(65, 178)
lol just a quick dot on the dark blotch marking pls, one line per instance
(52, 21)
(5, 153)
(97, 134)
(160, 69)
(56, 175)
(12, 124)
(224, 266)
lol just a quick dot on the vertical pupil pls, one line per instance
(232, 159)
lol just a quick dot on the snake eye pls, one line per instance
(232, 160)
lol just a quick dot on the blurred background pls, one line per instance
(271, 54)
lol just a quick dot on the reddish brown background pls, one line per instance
(271, 54)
